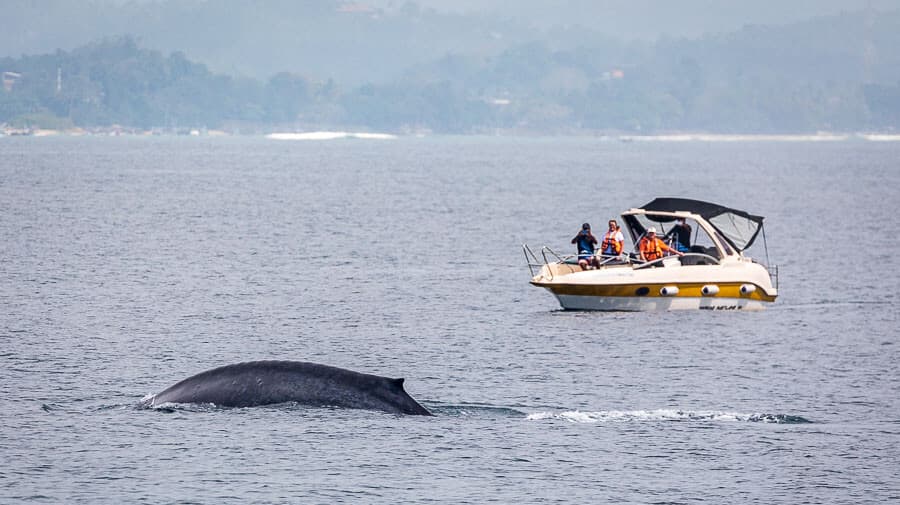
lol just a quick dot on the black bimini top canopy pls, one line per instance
(739, 228)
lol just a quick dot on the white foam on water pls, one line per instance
(881, 138)
(716, 137)
(147, 402)
(378, 136)
(577, 416)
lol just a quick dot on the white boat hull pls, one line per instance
(733, 285)
(638, 304)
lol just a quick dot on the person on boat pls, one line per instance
(613, 240)
(682, 233)
(586, 241)
(652, 248)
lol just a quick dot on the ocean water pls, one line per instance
(128, 264)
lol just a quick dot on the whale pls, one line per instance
(255, 383)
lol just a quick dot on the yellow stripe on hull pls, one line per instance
(656, 303)
(640, 290)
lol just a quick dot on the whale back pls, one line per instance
(267, 382)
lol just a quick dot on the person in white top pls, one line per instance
(613, 240)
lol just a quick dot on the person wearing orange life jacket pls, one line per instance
(652, 248)
(613, 241)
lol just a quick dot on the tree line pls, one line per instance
(726, 85)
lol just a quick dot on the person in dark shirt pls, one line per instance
(682, 233)
(586, 241)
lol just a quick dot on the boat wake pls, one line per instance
(577, 416)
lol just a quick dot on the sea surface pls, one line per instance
(129, 264)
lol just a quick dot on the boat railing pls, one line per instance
(614, 259)
(548, 256)
(772, 271)
(532, 260)
(535, 264)
(573, 258)
(561, 259)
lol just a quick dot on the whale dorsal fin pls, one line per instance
(397, 383)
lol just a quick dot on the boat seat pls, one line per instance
(695, 260)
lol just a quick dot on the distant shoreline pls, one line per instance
(323, 135)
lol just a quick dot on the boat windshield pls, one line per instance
(739, 228)
(694, 239)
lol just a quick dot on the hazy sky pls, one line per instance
(652, 18)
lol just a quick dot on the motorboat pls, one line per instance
(711, 272)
